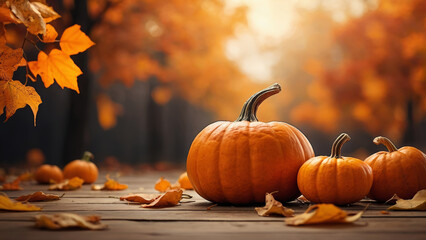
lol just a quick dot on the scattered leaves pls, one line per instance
(56, 66)
(322, 213)
(184, 182)
(38, 197)
(68, 220)
(13, 186)
(273, 207)
(418, 202)
(140, 198)
(110, 184)
(162, 185)
(168, 199)
(68, 184)
(73, 40)
(7, 204)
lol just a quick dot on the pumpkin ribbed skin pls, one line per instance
(399, 171)
(45, 173)
(82, 168)
(239, 162)
(335, 179)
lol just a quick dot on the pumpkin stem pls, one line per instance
(87, 156)
(248, 113)
(336, 148)
(385, 141)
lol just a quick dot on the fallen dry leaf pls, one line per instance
(73, 40)
(56, 66)
(140, 198)
(27, 176)
(7, 204)
(38, 197)
(162, 185)
(184, 182)
(68, 184)
(110, 184)
(68, 220)
(273, 207)
(418, 202)
(12, 186)
(321, 214)
(168, 199)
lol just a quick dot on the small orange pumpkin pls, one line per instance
(45, 173)
(239, 162)
(398, 171)
(335, 179)
(82, 168)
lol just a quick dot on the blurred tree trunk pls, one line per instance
(154, 126)
(75, 140)
(409, 134)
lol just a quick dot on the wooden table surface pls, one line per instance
(192, 220)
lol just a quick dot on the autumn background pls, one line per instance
(160, 71)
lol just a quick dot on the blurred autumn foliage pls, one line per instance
(367, 72)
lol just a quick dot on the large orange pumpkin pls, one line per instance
(47, 173)
(238, 162)
(398, 171)
(335, 179)
(82, 168)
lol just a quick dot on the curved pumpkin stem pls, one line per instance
(336, 148)
(385, 141)
(248, 113)
(87, 156)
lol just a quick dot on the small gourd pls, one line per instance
(335, 179)
(82, 168)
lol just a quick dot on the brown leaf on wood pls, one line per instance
(68, 220)
(418, 202)
(273, 207)
(168, 199)
(7, 204)
(38, 197)
(140, 198)
(321, 214)
(12, 186)
(68, 184)
(162, 185)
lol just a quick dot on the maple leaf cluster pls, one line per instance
(55, 65)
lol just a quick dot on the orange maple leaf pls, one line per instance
(73, 40)
(10, 59)
(14, 95)
(57, 65)
(51, 34)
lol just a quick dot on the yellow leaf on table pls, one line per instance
(14, 95)
(321, 214)
(73, 40)
(56, 66)
(273, 207)
(184, 182)
(50, 35)
(68, 220)
(13, 186)
(168, 199)
(7, 204)
(162, 185)
(110, 184)
(68, 184)
(140, 198)
(38, 197)
(418, 202)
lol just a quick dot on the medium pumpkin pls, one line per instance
(47, 173)
(239, 162)
(398, 171)
(335, 179)
(82, 168)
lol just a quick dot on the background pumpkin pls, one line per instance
(398, 171)
(335, 179)
(45, 173)
(239, 162)
(82, 168)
